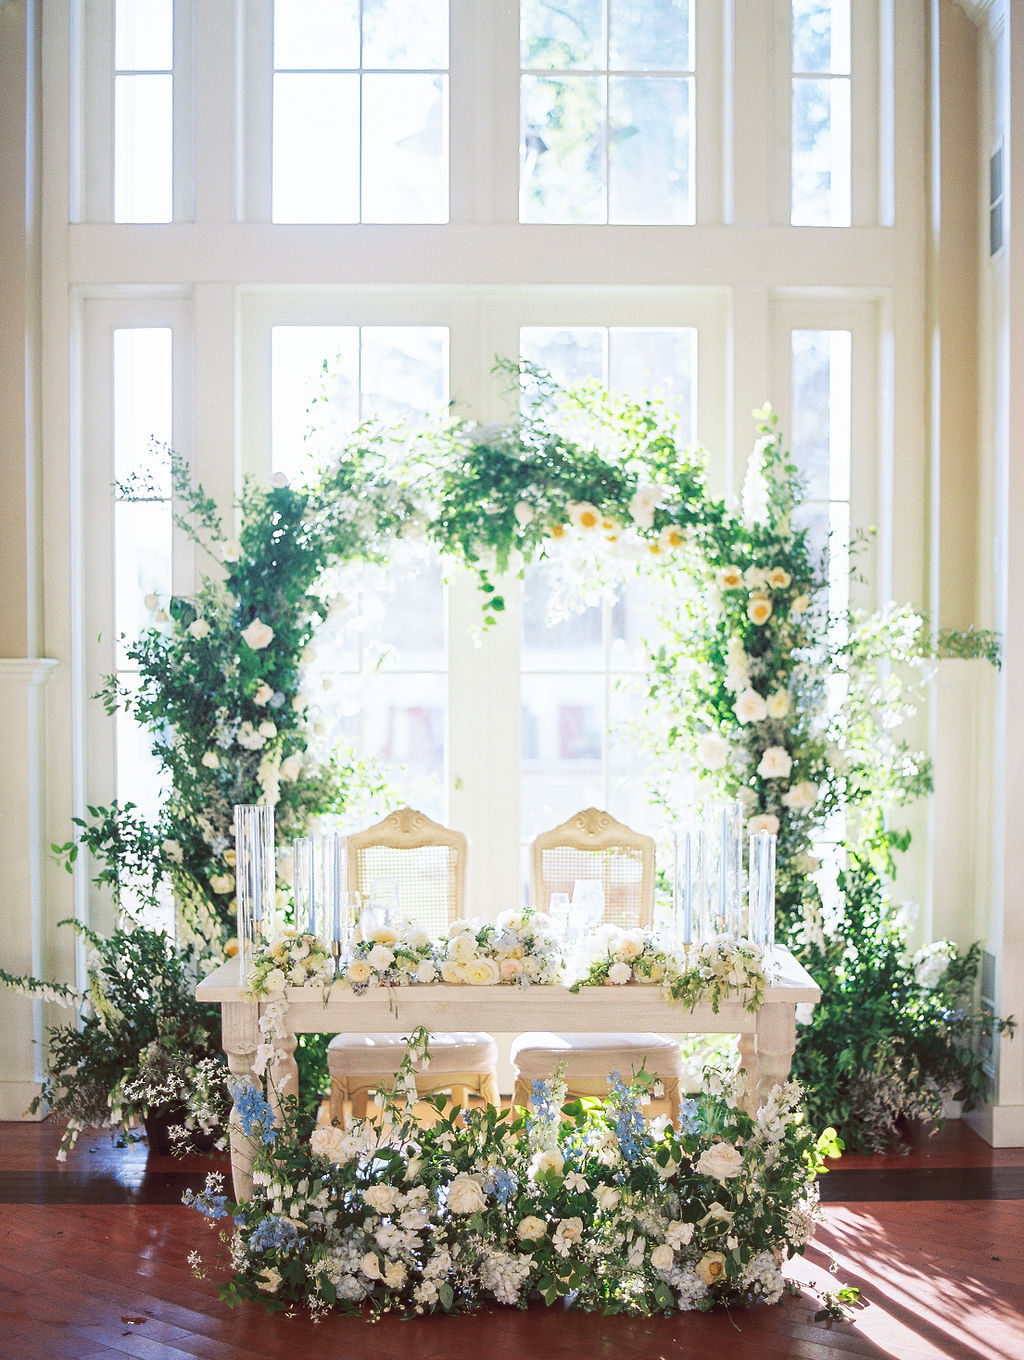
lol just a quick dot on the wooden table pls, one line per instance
(767, 1036)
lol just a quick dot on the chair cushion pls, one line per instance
(594, 1056)
(369, 1054)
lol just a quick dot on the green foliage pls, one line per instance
(893, 1037)
(138, 1009)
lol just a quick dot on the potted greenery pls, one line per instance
(141, 1046)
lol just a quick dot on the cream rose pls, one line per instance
(382, 1198)
(764, 821)
(462, 948)
(267, 729)
(750, 706)
(222, 883)
(211, 760)
(199, 628)
(258, 635)
(778, 704)
(231, 551)
(662, 1257)
(291, 766)
(779, 578)
(776, 763)
(425, 971)
(482, 973)
(453, 972)
(510, 968)
(531, 1229)
(380, 958)
(550, 1160)
(567, 1234)
(721, 1160)
(800, 605)
(274, 981)
(629, 945)
(620, 973)
(802, 796)
(713, 751)
(358, 971)
(370, 1266)
(759, 609)
(711, 1267)
(465, 1195)
(729, 578)
(263, 694)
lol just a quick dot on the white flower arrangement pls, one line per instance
(586, 1201)
(291, 959)
(704, 971)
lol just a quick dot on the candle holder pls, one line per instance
(254, 880)
(761, 888)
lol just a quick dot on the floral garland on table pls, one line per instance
(706, 971)
(585, 1203)
(291, 959)
(519, 948)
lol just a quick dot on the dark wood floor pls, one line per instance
(93, 1263)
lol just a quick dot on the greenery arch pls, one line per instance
(739, 674)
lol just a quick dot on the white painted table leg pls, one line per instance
(240, 1039)
(776, 1040)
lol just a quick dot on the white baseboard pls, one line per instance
(16, 1097)
(1001, 1126)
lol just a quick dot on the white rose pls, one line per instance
(754, 578)
(222, 883)
(395, 1274)
(778, 704)
(274, 981)
(779, 578)
(151, 602)
(465, 1195)
(802, 796)
(531, 1228)
(231, 551)
(462, 948)
(452, 972)
(776, 763)
(482, 973)
(713, 750)
(620, 973)
(679, 1234)
(750, 706)
(721, 1160)
(607, 1196)
(662, 1257)
(248, 737)
(567, 1234)
(258, 635)
(199, 628)
(211, 760)
(263, 694)
(279, 481)
(383, 1198)
(380, 957)
(629, 945)
(800, 605)
(425, 971)
(290, 766)
(267, 729)
(358, 971)
(370, 1266)
(764, 821)
(548, 1160)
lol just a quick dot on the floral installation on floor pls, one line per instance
(583, 1202)
(706, 971)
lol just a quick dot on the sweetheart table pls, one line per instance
(767, 1036)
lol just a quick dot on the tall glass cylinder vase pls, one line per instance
(307, 885)
(723, 875)
(254, 880)
(761, 888)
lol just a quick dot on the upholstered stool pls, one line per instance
(360, 1063)
(589, 1059)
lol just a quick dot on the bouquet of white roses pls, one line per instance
(291, 959)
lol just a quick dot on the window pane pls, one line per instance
(563, 149)
(650, 36)
(316, 35)
(314, 392)
(405, 176)
(563, 724)
(821, 36)
(144, 35)
(661, 362)
(562, 35)
(649, 150)
(142, 403)
(142, 148)
(316, 156)
(821, 152)
(142, 565)
(405, 34)
(404, 371)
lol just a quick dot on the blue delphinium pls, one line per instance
(254, 1111)
(501, 1183)
(688, 1120)
(630, 1129)
(209, 1204)
(275, 1234)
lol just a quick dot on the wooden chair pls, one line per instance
(594, 845)
(427, 863)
